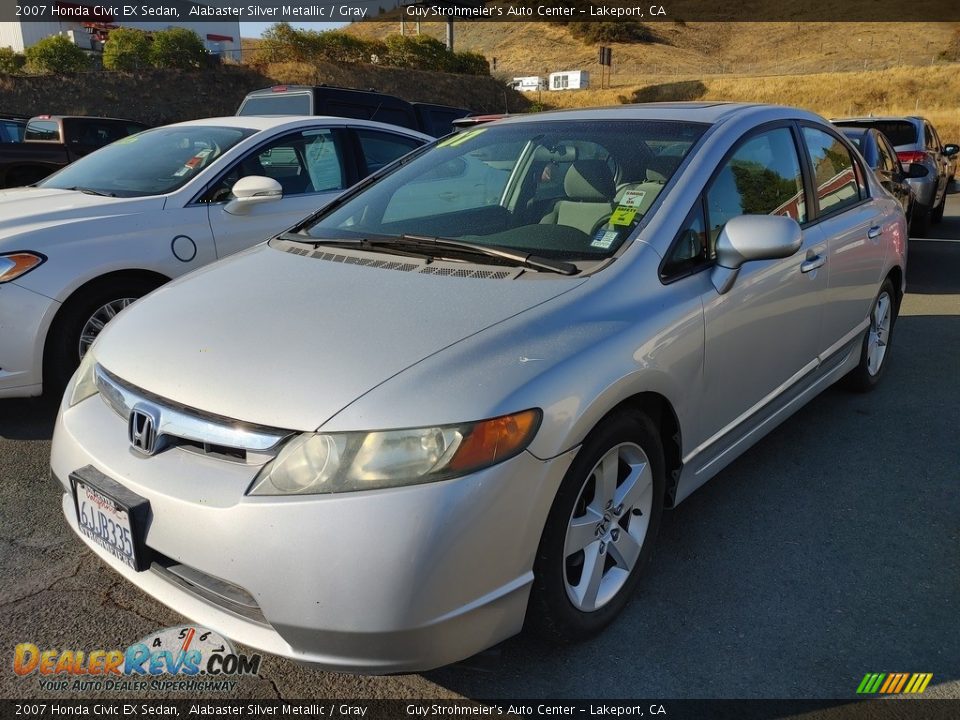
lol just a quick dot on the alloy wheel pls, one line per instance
(94, 325)
(879, 333)
(607, 527)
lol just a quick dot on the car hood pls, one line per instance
(278, 339)
(24, 210)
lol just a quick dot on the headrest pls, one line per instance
(589, 180)
(659, 169)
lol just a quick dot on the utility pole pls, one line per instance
(449, 33)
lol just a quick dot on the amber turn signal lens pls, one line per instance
(492, 441)
(14, 265)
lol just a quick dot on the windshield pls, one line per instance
(561, 189)
(149, 163)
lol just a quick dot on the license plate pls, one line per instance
(108, 514)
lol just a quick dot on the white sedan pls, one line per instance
(86, 242)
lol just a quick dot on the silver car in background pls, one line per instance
(929, 163)
(431, 413)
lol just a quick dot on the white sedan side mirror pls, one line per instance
(252, 190)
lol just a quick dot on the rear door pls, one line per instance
(852, 223)
(312, 165)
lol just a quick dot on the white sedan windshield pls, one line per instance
(149, 163)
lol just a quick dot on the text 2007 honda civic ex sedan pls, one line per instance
(457, 400)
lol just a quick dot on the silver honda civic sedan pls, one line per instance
(457, 401)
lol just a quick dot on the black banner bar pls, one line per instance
(889, 709)
(340, 11)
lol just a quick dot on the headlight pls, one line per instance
(13, 265)
(316, 463)
(84, 382)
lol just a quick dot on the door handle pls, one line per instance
(812, 263)
(874, 232)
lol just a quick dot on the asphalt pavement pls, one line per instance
(829, 550)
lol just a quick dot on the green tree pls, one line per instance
(178, 48)
(11, 62)
(56, 54)
(126, 49)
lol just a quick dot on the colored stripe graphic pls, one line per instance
(894, 683)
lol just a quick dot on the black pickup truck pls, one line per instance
(51, 142)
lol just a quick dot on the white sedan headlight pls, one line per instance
(316, 463)
(84, 382)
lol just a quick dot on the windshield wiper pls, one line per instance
(90, 191)
(422, 243)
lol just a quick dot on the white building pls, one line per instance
(221, 36)
(569, 80)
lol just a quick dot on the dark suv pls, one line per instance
(917, 143)
(435, 120)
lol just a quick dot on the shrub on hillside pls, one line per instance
(624, 31)
(952, 51)
(177, 48)
(54, 55)
(285, 44)
(11, 62)
(126, 49)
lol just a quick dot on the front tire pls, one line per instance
(874, 353)
(937, 214)
(80, 321)
(600, 529)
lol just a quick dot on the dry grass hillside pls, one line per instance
(933, 92)
(695, 48)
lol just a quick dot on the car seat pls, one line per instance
(589, 187)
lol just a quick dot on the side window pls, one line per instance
(838, 181)
(690, 249)
(928, 138)
(381, 148)
(884, 159)
(937, 145)
(761, 178)
(308, 161)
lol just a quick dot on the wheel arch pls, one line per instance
(149, 278)
(661, 411)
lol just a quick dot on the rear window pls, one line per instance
(45, 130)
(277, 104)
(899, 132)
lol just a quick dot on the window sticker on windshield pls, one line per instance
(462, 138)
(604, 239)
(633, 198)
(623, 216)
(127, 140)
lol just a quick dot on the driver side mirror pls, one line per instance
(252, 190)
(746, 238)
(950, 150)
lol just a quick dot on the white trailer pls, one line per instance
(531, 83)
(569, 80)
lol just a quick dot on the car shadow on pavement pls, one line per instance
(829, 550)
(28, 418)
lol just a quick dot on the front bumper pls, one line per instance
(379, 581)
(25, 317)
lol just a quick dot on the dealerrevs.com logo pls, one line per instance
(185, 658)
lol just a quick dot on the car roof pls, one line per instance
(881, 118)
(269, 122)
(702, 112)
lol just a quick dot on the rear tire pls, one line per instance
(600, 529)
(920, 222)
(937, 215)
(80, 321)
(874, 352)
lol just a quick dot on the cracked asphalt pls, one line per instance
(829, 550)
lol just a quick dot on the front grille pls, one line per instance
(192, 429)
